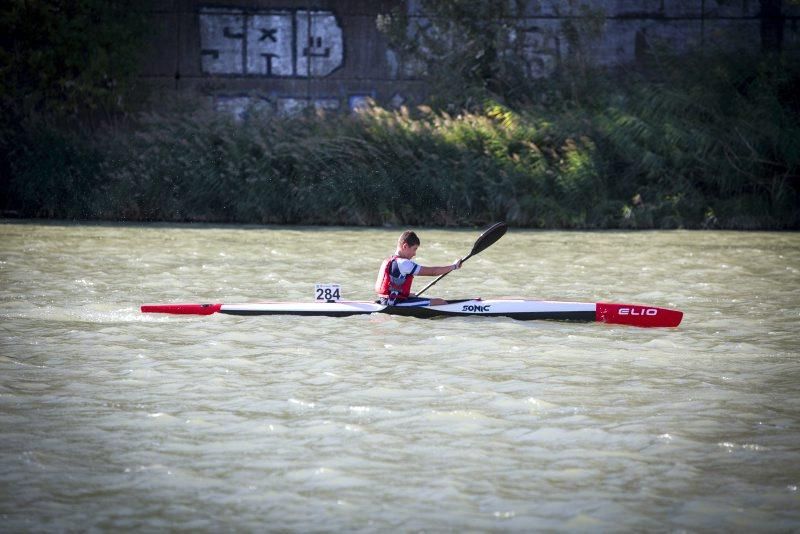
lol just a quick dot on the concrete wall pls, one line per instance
(279, 54)
(284, 55)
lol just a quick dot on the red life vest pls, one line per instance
(393, 284)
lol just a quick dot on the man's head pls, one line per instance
(407, 245)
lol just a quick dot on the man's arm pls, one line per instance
(436, 271)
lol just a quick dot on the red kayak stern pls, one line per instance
(637, 315)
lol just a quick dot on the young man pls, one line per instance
(397, 272)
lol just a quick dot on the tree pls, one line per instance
(69, 58)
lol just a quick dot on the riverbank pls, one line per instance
(696, 148)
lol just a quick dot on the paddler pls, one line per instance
(397, 272)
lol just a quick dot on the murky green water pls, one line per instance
(111, 419)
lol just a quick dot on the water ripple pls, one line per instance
(112, 419)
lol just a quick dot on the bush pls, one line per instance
(710, 145)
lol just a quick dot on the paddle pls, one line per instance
(484, 241)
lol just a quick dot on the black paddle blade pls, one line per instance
(489, 237)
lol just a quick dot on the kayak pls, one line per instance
(328, 304)
(525, 310)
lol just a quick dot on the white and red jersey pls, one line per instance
(395, 278)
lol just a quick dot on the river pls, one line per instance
(113, 419)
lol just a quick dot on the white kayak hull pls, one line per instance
(630, 314)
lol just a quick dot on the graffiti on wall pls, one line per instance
(536, 43)
(241, 106)
(278, 43)
(539, 47)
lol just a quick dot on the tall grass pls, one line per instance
(375, 167)
(704, 145)
(51, 172)
(721, 139)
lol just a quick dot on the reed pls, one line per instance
(697, 147)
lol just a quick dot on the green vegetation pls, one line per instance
(66, 66)
(708, 142)
(69, 59)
